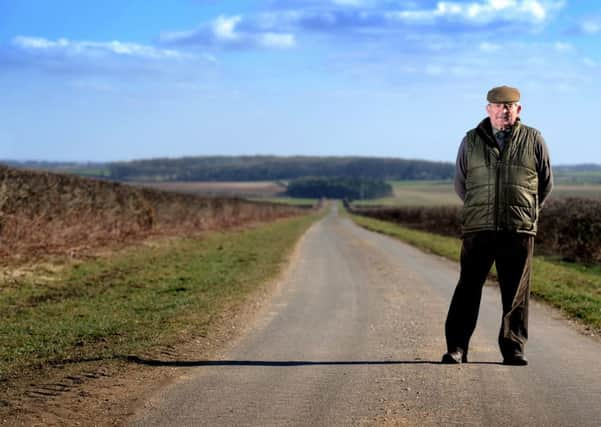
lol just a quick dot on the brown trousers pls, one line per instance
(512, 254)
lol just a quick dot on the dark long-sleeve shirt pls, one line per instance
(543, 168)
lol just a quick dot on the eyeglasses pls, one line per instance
(509, 106)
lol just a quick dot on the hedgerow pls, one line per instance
(569, 228)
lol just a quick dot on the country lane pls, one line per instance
(353, 336)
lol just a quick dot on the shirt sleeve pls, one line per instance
(543, 167)
(461, 169)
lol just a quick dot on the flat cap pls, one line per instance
(503, 95)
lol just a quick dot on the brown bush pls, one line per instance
(46, 213)
(571, 228)
(568, 228)
(445, 220)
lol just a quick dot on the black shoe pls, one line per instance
(515, 360)
(454, 357)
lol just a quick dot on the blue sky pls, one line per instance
(119, 80)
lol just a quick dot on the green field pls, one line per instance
(159, 293)
(87, 172)
(287, 201)
(577, 177)
(586, 191)
(417, 193)
(441, 193)
(574, 289)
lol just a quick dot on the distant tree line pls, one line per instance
(338, 188)
(270, 168)
(578, 174)
(274, 168)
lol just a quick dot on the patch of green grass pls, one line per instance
(93, 172)
(139, 298)
(447, 247)
(287, 200)
(573, 288)
(417, 193)
(576, 291)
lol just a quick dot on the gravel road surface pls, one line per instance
(354, 335)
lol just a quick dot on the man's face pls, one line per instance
(503, 115)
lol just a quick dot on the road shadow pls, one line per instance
(285, 363)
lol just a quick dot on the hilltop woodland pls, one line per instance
(338, 188)
(271, 168)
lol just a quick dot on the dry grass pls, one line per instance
(241, 189)
(44, 213)
(585, 191)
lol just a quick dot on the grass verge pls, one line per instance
(574, 289)
(142, 297)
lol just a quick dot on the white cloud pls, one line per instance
(434, 70)
(354, 3)
(562, 46)
(489, 47)
(536, 11)
(224, 27)
(235, 32)
(92, 61)
(277, 40)
(210, 58)
(502, 4)
(460, 71)
(38, 43)
(409, 16)
(589, 62)
(74, 47)
(591, 26)
(535, 8)
(376, 21)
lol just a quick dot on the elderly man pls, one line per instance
(503, 175)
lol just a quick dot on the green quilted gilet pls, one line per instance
(501, 186)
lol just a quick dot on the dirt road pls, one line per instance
(354, 335)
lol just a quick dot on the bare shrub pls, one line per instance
(443, 220)
(46, 213)
(569, 228)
